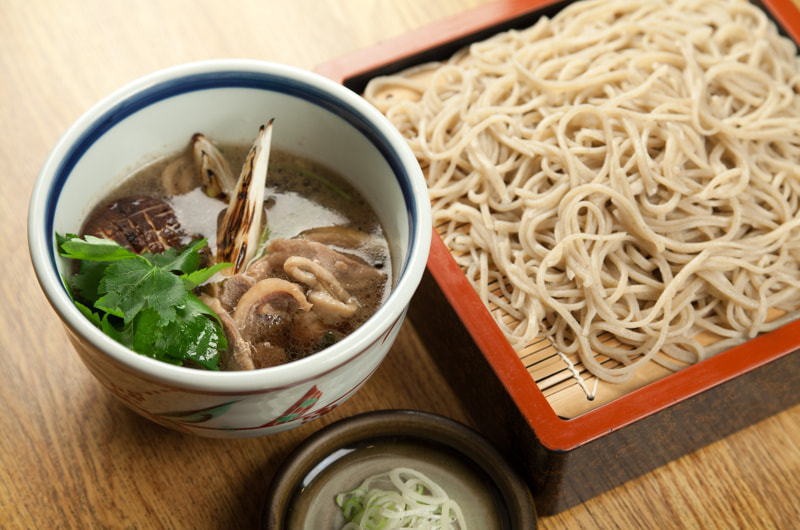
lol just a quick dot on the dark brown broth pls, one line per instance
(289, 186)
(301, 195)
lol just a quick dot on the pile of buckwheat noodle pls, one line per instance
(626, 168)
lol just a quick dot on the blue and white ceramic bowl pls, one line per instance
(228, 100)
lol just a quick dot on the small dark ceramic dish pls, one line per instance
(340, 456)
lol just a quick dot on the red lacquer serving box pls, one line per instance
(569, 459)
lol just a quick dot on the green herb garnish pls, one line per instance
(146, 302)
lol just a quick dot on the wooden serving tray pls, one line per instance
(572, 443)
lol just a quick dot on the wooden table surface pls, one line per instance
(72, 456)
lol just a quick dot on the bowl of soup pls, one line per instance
(231, 245)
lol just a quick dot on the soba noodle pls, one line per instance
(626, 168)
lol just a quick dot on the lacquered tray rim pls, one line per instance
(552, 431)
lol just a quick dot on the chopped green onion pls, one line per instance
(400, 498)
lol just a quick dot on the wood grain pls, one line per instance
(71, 456)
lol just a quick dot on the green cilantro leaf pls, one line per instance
(92, 248)
(201, 334)
(130, 286)
(184, 260)
(199, 277)
(146, 302)
(87, 280)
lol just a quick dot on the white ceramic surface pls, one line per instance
(227, 100)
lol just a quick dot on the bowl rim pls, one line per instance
(413, 424)
(108, 110)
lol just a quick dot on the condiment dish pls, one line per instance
(340, 456)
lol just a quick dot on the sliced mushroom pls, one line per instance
(271, 296)
(230, 290)
(353, 274)
(266, 317)
(339, 236)
(327, 293)
(139, 223)
(216, 177)
(372, 249)
(241, 227)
